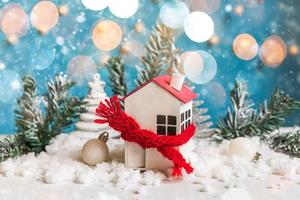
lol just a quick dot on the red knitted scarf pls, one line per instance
(111, 113)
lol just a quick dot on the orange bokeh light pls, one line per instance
(44, 16)
(13, 21)
(245, 46)
(107, 35)
(294, 50)
(273, 51)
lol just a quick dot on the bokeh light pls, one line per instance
(142, 35)
(208, 6)
(44, 16)
(100, 57)
(198, 26)
(139, 27)
(134, 44)
(131, 56)
(107, 35)
(239, 10)
(192, 63)
(130, 60)
(216, 94)
(2, 65)
(214, 40)
(273, 51)
(64, 9)
(293, 49)
(135, 48)
(208, 71)
(173, 13)
(95, 5)
(11, 81)
(81, 68)
(42, 58)
(14, 21)
(124, 8)
(104, 59)
(245, 46)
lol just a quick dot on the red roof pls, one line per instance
(185, 95)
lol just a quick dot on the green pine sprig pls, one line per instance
(242, 119)
(288, 143)
(158, 53)
(10, 147)
(35, 125)
(272, 113)
(62, 110)
(201, 119)
(238, 118)
(116, 70)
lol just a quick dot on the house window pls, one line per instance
(186, 118)
(166, 125)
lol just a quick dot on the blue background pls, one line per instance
(269, 17)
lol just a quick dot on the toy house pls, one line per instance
(162, 105)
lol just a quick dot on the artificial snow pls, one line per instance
(62, 163)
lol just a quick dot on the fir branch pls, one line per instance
(272, 113)
(28, 117)
(116, 71)
(238, 118)
(201, 119)
(200, 116)
(243, 120)
(62, 110)
(158, 53)
(288, 143)
(10, 148)
(34, 128)
(173, 59)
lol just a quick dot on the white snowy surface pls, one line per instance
(60, 174)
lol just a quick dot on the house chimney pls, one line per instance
(177, 80)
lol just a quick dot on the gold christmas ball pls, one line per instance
(95, 151)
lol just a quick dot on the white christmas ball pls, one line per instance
(242, 147)
(94, 151)
(124, 8)
(199, 26)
